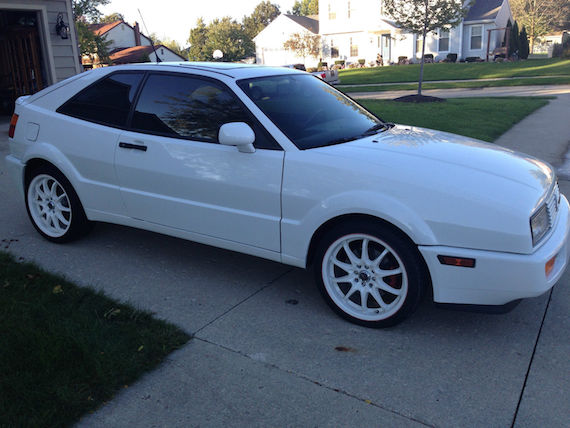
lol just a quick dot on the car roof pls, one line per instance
(229, 69)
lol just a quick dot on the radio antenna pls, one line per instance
(151, 42)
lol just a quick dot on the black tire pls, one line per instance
(377, 287)
(53, 206)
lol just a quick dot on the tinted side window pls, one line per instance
(188, 107)
(108, 101)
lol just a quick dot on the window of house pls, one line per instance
(348, 12)
(332, 14)
(334, 50)
(107, 101)
(443, 40)
(191, 108)
(353, 48)
(476, 36)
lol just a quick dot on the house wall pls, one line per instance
(467, 32)
(61, 56)
(165, 55)
(269, 44)
(123, 36)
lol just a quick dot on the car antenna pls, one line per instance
(151, 41)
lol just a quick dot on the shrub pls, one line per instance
(322, 66)
(428, 58)
(451, 57)
(557, 50)
(312, 69)
(339, 62)
(361, 61)
(402, 60)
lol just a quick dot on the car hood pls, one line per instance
(445, 148)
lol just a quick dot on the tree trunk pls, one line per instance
(423, 50)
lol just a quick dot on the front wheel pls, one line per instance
(369, 274)
(53, 206)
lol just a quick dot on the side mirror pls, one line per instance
(238, 134)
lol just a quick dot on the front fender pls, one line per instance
(297, 229)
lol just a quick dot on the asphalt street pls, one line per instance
(267, 351)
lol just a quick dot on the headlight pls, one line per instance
(539, 224)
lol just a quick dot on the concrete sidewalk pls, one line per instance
(500, 91)
(267, 350)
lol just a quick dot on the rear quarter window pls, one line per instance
(107, 101)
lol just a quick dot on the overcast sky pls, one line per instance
(174, 18)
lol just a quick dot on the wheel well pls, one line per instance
(34, 164)
(332, 223)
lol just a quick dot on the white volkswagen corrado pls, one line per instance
(276, 163)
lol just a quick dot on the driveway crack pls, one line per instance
(532, 358)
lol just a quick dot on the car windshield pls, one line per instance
(310, 112)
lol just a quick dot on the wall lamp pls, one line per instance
(61, 29)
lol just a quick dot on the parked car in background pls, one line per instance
(329, 76)
(275, 163)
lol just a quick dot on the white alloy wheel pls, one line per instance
(49, 205)
(364, 277)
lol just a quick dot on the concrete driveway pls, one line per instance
(267, 350)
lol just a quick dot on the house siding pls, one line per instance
(123, 36)
(60, 55)
(269, 44)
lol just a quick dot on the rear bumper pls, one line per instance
(16, 170)
(499, 278)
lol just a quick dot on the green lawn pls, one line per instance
(482, 118)
(455, 71)
(64, 350)
(465, 84)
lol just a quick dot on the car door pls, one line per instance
(172, 170)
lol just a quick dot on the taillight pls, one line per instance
(323, 75)
(13, 122)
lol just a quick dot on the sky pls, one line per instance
(174, 19)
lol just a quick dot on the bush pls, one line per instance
(339, 62)
(473, 59)
(451, 57)
(322, 66)
(362, 61)
(312, 69)
(557, 50)
(428, 58)
(402, 60)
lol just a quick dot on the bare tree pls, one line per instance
(304, 44)
(540, 16)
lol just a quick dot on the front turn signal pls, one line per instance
(549, 266)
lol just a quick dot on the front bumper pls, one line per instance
(499, 278)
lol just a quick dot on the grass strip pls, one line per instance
(482, 118)
(65, 349)
(454, 71)
(453, 85)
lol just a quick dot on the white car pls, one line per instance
(278, 164)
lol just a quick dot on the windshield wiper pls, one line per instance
(383, 126)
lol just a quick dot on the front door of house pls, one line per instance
(386, 47)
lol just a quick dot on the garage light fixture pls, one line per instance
(61, 28)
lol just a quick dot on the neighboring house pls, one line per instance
(128, 45)
(269, 42)
(145, 54)
(32, 54)
(353, 30)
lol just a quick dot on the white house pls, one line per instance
(38, 47)
(269, 42)
(353, 30)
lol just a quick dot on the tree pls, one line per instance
(513, 40)
(262, 15)
(113, 17)
(224, 34)
(524, 48)
(88, 10)
(423, 16)
(540, 16)
(90, 44)
(304, 44)
(198, 38)
(305, 7)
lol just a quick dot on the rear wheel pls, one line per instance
(53, 206)
(369, 274)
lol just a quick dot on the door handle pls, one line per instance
(141, 147)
